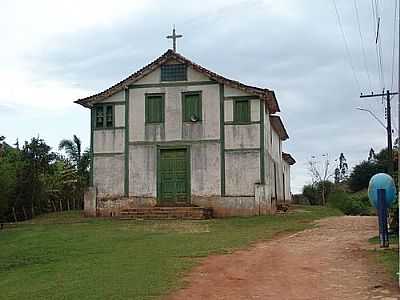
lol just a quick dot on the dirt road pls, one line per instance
(327, 262)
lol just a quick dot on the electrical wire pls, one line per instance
(394, 42)
(362, 44)
(346, 45)
(376, 22)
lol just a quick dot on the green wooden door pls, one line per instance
(173, 177)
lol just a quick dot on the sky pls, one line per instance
(54, 52)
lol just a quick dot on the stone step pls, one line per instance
(193, 213)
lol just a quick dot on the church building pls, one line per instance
(176, 134)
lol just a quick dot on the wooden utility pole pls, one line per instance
(388, 126)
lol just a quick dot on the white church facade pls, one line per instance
(177, 134)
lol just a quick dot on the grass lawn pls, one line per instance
(64, 256)
(389, 258)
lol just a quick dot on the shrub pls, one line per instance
(313, 192)
(356, 204)
(362, 173)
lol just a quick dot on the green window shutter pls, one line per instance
(191, 107)
(242, 111)
(154, 108)
(99, 117)
(109, 116)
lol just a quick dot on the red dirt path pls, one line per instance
(330, 261)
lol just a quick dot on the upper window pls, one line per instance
(154, 108)
(104, 116)
(191, 106)
(241, 111)
(174, 72)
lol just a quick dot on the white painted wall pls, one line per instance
(142, 170)
(109, 175)
(119, 115)
(205, 169)
(242, 136)
(242, 171)
(287, 190)
(108, 140)
(172, 128)
(118, 97)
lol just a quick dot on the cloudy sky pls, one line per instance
(53, 52)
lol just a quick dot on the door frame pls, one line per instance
(188, 169)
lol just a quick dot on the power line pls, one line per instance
(346, 45)
(379, 37)
(376, 23)
(394, 41)
(362, 44)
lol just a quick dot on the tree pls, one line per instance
(10, 163)
(313, 192)
(320, 172)
(371, 155)
(362, 173)
(80, 161)
(341, 170)
(31, 191)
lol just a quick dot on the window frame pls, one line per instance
(200, 106)
(146, 111)
(164, 76)
(104, 107)
(235, 112)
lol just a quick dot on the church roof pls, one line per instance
(277, 124)
(265, 94)
(288, 158)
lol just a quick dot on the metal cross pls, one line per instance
(174, 36)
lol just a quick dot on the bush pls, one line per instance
(313, 192)
(356, 204)
(362, 173)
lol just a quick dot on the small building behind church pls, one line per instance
(177, 134)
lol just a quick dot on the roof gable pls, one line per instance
(267, 95)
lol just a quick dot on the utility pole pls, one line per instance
(388, 126)
(398, 138)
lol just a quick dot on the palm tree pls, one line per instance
(73, 149)
(80, 161)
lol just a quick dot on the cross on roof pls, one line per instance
(174, 36)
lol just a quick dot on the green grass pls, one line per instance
(389, 258)
(64, 256)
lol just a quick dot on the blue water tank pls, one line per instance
(382, 181)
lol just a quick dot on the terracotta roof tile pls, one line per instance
(277, 124)
(265, 94)
(288, 158)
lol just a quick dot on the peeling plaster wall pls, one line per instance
(118, 97)
(273, 146)
(108, 140)
(119, 115)
(244, 194)
(242, 169)
(109, 175)
(286, 171)
(205, 169)
(232, 92)
(229, 206)
(172, 128)
(204, 166)
(242, 136)
(143, 171)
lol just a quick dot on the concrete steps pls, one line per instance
(166, 213)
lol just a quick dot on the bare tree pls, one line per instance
(321, 172)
